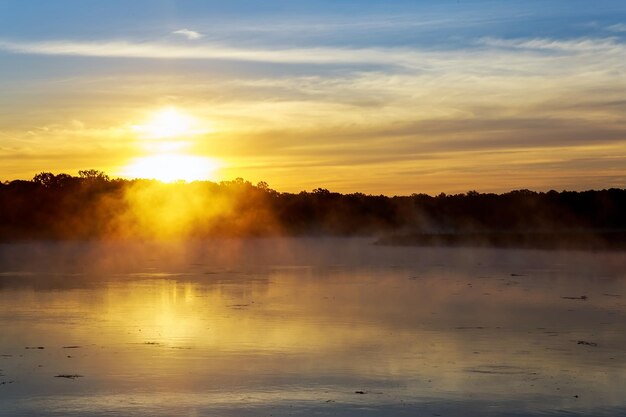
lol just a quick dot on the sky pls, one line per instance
(393, 97)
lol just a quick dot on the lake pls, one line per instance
(309, 327)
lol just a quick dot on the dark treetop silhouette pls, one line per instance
(94, 206)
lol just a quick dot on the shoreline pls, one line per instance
(577, 240)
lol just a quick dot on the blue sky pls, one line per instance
(31, 19)
(62, 18)
(453, 95)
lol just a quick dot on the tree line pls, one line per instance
(92, 205)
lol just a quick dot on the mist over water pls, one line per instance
(254, 327)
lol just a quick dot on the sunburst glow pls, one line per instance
(172, 167)
(166, 137)
(170, 123)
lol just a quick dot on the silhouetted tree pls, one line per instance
(93, 175)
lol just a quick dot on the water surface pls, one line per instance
(309, 327)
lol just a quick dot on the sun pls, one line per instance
(167, 138)
(170, 123)
(172, 167)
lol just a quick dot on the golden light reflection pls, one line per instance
(208, 318)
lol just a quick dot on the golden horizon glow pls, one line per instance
(165, 137)
(172, 167)
(511, 114)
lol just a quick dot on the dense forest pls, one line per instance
(92, 205)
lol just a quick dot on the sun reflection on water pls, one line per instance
(186, 321)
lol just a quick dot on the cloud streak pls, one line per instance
(571, 45)
(488, 54)
(619, 27)
(189, 34)
(155, 50)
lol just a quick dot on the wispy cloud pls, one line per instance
(486, 53)
(570, 45)
(189, 34)
(155, 50)
(619, 27)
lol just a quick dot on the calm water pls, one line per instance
(309, 327)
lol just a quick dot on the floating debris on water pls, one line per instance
(469, 328)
